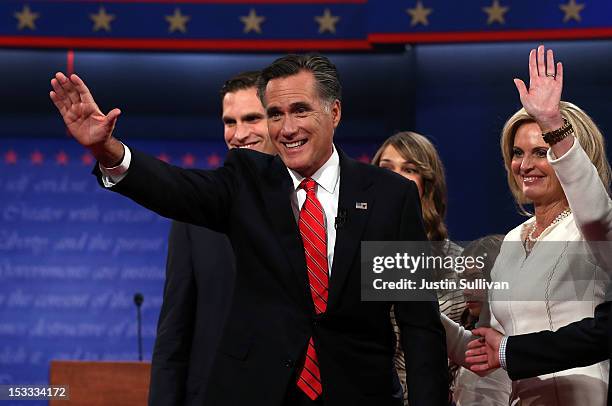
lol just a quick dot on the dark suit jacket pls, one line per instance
(272, 317)
(200, 274)
(578, 344)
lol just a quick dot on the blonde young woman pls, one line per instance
(414, 157)
(556, 162)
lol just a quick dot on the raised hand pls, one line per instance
(84, 119)
(483, 353)
(541, 100)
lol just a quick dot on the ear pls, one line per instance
(336, 112)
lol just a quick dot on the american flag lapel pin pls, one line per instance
(361, 205)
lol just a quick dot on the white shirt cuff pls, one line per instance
(114, 175)
(502, 352)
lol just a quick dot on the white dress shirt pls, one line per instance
(114, 175)
(328, 191)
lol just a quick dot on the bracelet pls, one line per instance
(553, 137)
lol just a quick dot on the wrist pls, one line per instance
(110, 153)
(550, 122)
(555, 136)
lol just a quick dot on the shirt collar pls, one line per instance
(326, 176)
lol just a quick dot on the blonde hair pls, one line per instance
(418, 150)
(585, 131)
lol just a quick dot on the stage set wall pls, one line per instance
(73, 255)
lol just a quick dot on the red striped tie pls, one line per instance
(314, 238)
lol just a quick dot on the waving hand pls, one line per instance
(84, 119)
(542, 98)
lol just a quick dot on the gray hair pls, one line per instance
(325, 74)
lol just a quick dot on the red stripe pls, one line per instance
(321, 262)
(309, 203)
(311, 367)
(69, 71)
(316, 269)
(70, 62)
(321, 295)
(310, 350)
(307, 388)
(318, 248)
(319, 309)
(313, 376)
(313, 360)
(317, 277)
(316, 295)
(317, 216)
(184, 44)
(476, 36)
(320, 305)
(319, 302)
(315, 290)
(317, 273)
(313, 225)
(321, 274)
(310, 377)
(307, 209)
(314, 237)
(314, 202)
(311, 381)
(315, 249)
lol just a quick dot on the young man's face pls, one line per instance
(244, 121)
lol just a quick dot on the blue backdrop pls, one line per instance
(72, 255)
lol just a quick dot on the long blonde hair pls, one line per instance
(418, 150)
(585, 131)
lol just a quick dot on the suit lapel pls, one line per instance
(277, 187)
(354, 185)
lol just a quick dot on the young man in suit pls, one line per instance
(200, 269)
(297, 331)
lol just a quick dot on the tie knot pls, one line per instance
(308, 185)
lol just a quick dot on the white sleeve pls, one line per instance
(457, 339)
(114, 175)
(588, 198)
(585, 192)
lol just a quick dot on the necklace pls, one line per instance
(557, 219)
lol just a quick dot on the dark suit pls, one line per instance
(200, 274)
(578, 344)
(272, 317)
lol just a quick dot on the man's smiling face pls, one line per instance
(244, 121)
(301, 125)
